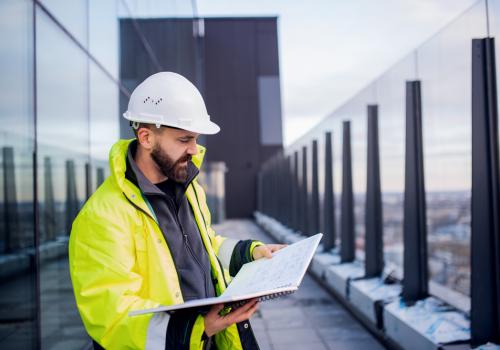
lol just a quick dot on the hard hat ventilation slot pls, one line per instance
(155, 102)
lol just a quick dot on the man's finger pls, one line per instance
(244, 314)
(241, 310)
(247, 314)
(276, 247)
(216, 308)
(268, 253)
(244, 308)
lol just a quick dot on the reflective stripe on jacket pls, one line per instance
(119, 262)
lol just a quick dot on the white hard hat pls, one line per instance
(167, 98)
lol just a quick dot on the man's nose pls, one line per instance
(193, 149)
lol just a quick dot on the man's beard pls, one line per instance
(170, 168)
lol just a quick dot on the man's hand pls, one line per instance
(214, 323)
(266, 251)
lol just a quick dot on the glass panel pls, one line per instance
(17, 235)
(356, 112)
(444, 66)
(72, 15)
(104, 34)
(63, 151)
(104, 118)
(390, 90)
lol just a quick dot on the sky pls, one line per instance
(346, 45)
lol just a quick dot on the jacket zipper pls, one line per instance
(206, 228)
(189, 248)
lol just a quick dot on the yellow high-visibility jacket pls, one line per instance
(119, 262)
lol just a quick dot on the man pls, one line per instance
(144, 237)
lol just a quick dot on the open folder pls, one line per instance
(263, 279)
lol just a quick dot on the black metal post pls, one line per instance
(88, 180)
(296, 192)
(347, 249)
(374, 245)
(100, 176)
(415, 282)
(485, 214)
(71, 195)
(305, 194)
(289, 191)
(314, 227)
(49, 202)
(10, 230)
(329, 201)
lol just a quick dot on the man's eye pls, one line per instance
(184, 140)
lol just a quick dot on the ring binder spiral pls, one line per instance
(238, 304)
(264, 279)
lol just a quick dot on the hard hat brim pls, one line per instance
(206, 127)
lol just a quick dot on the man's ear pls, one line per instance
(146, 138)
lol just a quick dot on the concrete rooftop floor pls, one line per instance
(308, 319)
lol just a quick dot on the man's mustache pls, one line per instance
(185, 158)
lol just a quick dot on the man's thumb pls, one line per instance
(267, 253)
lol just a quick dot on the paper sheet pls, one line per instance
(264, 277)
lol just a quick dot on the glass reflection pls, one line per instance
(63, 152)
(17, 259)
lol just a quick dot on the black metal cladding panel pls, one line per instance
(231, 72)
(267, 47)
(135, 63)
(237, 142)
(129, 49)
(267, 151)
(171, 41)
(174, 44)
(231, 58)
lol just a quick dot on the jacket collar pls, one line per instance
(118, 161)
(135, 174)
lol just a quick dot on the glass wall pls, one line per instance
(59, 116)
(443, 65)
(390, 96)
(444, 68)
(18, 308)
